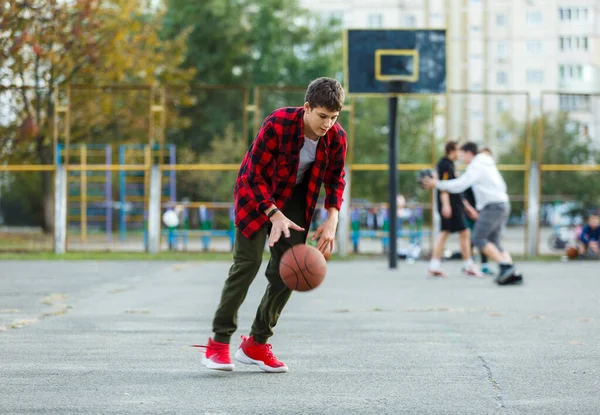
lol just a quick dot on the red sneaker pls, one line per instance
(436, 273)
(253, 353)
(216, 356)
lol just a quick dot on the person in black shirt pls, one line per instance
(452, 211)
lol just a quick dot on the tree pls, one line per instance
(246, 43)
(414, 128)
(85, 41)
(563, 144)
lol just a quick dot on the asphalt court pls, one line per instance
(114, 337)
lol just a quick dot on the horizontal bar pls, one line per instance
(107, 167)
(205, 87)
(27, 167)
(382, 167)
(195, 205)
(116, 87)
(196, 167)
(569, 167)
(484, 92)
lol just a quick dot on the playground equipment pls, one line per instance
(414, 233)
(133, 212)
(207, 229)
(89, 192)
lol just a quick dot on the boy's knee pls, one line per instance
(479, 242)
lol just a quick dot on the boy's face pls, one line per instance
(594, 221)
(466, 156)
(453, 155)
(318, 120)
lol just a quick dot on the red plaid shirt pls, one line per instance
(268, 172)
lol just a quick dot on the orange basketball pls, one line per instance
(572, 252)
(302, 268)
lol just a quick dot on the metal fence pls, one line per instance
(108, 138)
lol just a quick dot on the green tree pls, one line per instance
(246, 43)
(85, 41)
(563, 144)
(414, 129)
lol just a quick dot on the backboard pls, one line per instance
(384, 62)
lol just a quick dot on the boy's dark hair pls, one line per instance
(450, 147)
(325, 92)
(469, 147)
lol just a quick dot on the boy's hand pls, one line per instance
(446, 211)
(428, 182)
(326, 235)
(281, 224)
(472, 213)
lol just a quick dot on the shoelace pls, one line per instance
(201, 346)
(267, 348)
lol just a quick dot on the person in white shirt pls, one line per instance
(493, 207)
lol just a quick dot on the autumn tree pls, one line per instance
(46, 45)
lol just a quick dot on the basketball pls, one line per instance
(422, 174)
(572, 252)
(302, 268)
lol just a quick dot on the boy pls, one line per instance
(492, 204)
(295, 151)
(451, 210)
(590, 237)
(469, 202)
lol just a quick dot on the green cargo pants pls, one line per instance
(247, 259)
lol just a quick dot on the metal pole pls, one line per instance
(393, 179)
(108, 192)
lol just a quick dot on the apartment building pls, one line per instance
(514, 48)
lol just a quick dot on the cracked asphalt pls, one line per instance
(114, 337)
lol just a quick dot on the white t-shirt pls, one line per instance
(307, 157)
(485, 179)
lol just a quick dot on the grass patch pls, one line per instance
(22, 255)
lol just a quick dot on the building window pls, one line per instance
(501, 135)
(574, 102)
(570, 72)
(500, 20)
(501, 78)
(476, 115)
(501, 50)
(573, 43)
(534, 18)
(534, 47)
(575, 15)
(501, 105)
(410, 20)
(375, 21)
(535, 76)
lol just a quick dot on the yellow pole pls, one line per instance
(55, 125)
(68, 124)
(151, 117)
(83, 178)
(465, 81)
(163, 122)
(147, 165)
(527, 168)
(448, 79)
